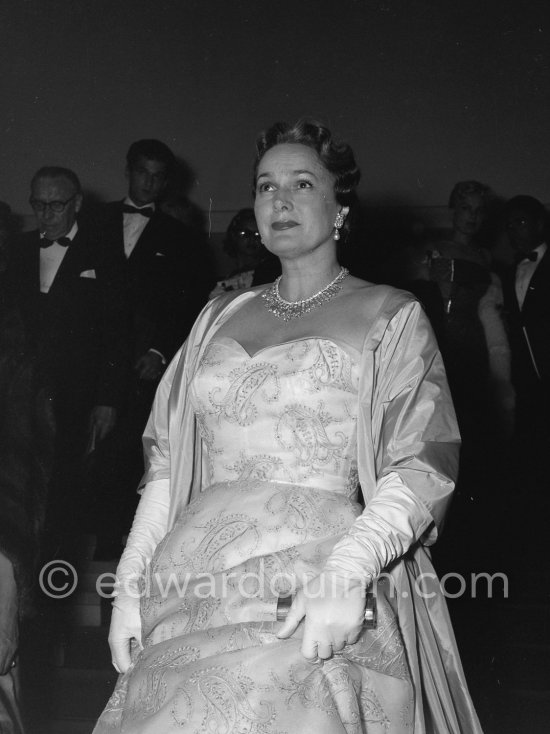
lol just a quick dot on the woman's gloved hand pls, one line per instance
(334, 611)
(333, 603)
(148, 529)
(125, 626)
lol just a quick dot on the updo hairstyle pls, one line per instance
(468, 188)
(337, 157)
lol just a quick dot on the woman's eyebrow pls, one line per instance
(296, 172)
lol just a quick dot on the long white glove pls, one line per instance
(333, 603)
(393, 520)
(148, 529)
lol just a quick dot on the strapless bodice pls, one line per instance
(286, 414)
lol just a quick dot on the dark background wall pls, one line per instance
(427, 91)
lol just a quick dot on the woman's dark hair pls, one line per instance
(337, 157)
(467, 188)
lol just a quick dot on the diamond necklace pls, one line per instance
(288, 310)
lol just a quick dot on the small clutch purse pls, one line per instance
(285, 602)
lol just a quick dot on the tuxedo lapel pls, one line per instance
(509, 285)
(71, 264)
(537, 286)
(148, 239)
(118, 227)
(111, 229)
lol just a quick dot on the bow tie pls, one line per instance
(147, 211)
(63, 241)
(533, 256)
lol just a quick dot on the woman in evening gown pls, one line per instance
(283, 400)
(475, 343)
(477, 357)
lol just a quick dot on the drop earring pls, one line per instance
(338, 222)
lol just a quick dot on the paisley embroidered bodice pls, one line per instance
(287, 414)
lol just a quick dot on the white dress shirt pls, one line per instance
(133, 225)
(51, 258)
(525, 271)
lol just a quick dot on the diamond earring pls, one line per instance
(338, 222)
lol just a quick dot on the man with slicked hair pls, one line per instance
(165, 260)
(169, 281)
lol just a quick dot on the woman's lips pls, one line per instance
(280, 226)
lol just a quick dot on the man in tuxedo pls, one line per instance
(165, 260)
(170, 279)
(71, 299)
(528, 305)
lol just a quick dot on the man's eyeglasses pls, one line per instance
(55, 206)
(248, 234)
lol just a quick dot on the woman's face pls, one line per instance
(295, 203)
(468, 214)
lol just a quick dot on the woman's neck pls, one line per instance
(298, 283)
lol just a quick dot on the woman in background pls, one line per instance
(283, 399)
(477, 358)
(474, 341)
(243, 245)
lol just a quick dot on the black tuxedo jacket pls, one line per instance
(534, 317)
(169, 278)
(79, 328)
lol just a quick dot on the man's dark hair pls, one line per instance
(58, 172)
(152, 150)
(528, 204)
